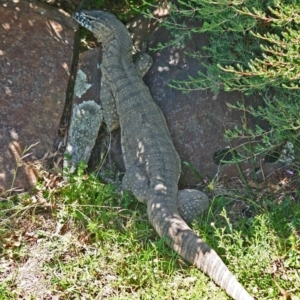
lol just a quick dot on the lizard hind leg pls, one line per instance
(136, 181)
(191, 204)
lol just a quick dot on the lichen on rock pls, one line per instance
(81, 84)
(85, 124)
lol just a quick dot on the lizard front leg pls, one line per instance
(109, 108)
(142, 63)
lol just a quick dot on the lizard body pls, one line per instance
(152, 164)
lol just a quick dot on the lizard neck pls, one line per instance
(125, 83)
(116, 49)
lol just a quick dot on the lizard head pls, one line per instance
(102, 24)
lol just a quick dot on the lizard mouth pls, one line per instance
(83, 20)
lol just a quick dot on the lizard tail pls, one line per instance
(191, 248)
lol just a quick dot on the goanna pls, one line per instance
(152, 164)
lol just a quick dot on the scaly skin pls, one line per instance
(152, 164)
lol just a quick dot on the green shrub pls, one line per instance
(123, 9)
(254, 47)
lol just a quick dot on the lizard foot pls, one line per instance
(191, 204)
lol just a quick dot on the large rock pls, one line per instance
(106, 148)
(197, 120)
(36, 53)
(86, 110)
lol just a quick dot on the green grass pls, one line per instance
(84, 240)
